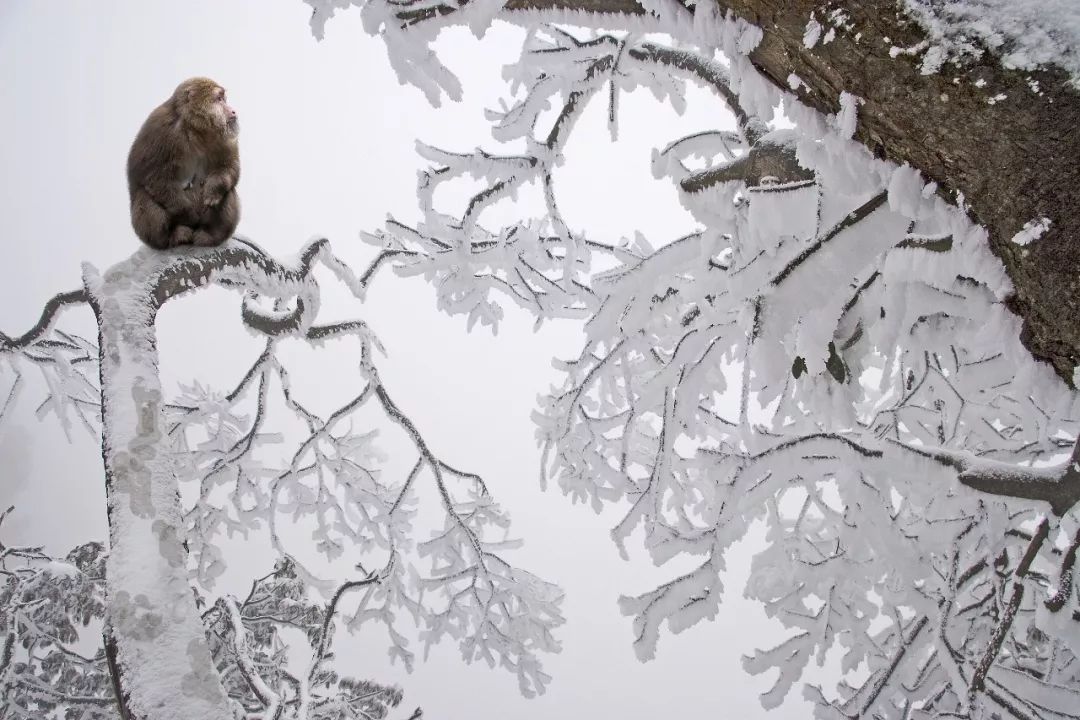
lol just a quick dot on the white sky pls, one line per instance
(327, 145)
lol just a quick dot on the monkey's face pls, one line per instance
(203, 106)
(226, 116)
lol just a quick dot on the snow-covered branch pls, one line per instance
(1058, 485)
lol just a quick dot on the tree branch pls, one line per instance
(197, 269)
(1065, 578)
(710, 74)
(51, 311)
(853, 218)
(1058, 485)
(978, 678)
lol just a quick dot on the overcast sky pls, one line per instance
(327, 146)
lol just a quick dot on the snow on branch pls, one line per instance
(1057, 485)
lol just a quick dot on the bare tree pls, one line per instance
(834, 351)
(152, 446)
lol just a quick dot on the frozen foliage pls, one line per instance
(184, 473)
(1023, 33)
(829, 353)
(43, 602)
(246, 636)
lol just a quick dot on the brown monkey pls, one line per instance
(183, 168)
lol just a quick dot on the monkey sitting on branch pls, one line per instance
(183, 168)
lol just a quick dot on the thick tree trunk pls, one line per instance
(165, 668)
(1014, 160)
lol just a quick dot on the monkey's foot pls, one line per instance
(201, 238)
(181, 235)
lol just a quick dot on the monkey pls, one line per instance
(183, 168)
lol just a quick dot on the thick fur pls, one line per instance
(183, 168)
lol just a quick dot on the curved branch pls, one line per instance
(273, 324)
(197, 270)
(49, 313)
(605, 7)
(574, 101)
(710, 74)
(382, 257)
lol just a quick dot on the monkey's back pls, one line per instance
(154, 158)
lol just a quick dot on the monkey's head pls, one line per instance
(200, 103)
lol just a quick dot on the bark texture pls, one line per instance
(1013, 160)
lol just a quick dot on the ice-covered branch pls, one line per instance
(246, 635)
(43, 602)
(771, 161)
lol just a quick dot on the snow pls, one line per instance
(1025, 34)
(1032, 230)
(847, 118)
(61, 569)
(812, 34)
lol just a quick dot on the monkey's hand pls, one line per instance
(215, 190)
